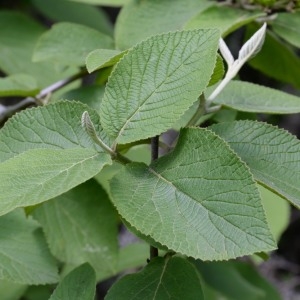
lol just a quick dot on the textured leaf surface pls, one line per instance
(141, 19)
(226, 19)
(69, 44)
(43, 148)
(81, 13)
(80, 284)
(170, 278)
(102, 58)
(18, 36)
(233, 279)
(55, 126)
(199, 200)
(18, 85)
(287, 26)
(41, 174)
(24, 256)
(81, 226)
(285, 69)
(156, 82)
(272, 154)
(246, 96)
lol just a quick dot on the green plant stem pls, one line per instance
(154, 156)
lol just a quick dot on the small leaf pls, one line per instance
(287, 26)
(18, 85)
(80, 284)
(139, 20)
(170, 278)
(199, 200)
(272, 155)
(250, 97)
(104, 2)
(11, 290)
(24, 256)
(81, 226)
(218, 72)
(226, 19)
(69, 44)
(102, 58)
(253, 45)
(156, 82)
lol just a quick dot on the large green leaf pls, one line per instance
(102, 58)
(81, 226)
(169, 278)
(43, 148)
(18, 85)
(67, 11)
(226, 19)
(69, 44)
(24, 256)
(141, 19)
(156, 82)
(287, 26)
(246, 96)
(199, 200)
(18, 36)
(276, 59)
(80, 284)
(236, 280)
(272, 154)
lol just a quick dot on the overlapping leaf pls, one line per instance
(200, 200)
(156, 82)
(18, 85)
(141, 19)
(226, 19)
(80, 284)
(69, 44)
(45, 152)
(24, 256)
(170, 278)
(81, 226)
(246, 96)
(272, 154)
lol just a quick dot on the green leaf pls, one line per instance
(55, 126)
(11, 290)
(156, 82)
(80, 284)
(104, 2)
(218, 71)
(46, 147)
(18, 36)
(69, 44)
(246, 96)
(285, 69)
(141, 19)
(81, 226)
(271, 153)
(42, 174)
(170, 278)
(24, 256)
(277, 211)
(66, 11)
(233, 279)
(287, 26)
(199, 200)
(226, 19)
(102, 58)
(18, 85)
(91, 95)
